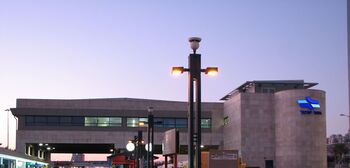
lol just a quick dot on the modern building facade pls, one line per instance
(271, 123)
(266, 123)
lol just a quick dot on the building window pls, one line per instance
(134, 122)
(103, 121)
(29, 120)
(158, 122)
(53, 121)
(78, 121)
(181, 123)
(115, 121)
(40, 121)
(65, 121)
(169, 122)
(91, 121)
(268, 90)
(206, 123)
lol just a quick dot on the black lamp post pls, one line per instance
(194, 116)
(136, 147)
(150, 139)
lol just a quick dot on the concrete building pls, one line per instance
(267, 125)
(271, 123)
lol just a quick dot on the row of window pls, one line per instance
(108, 121)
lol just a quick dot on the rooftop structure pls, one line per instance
(269, 86)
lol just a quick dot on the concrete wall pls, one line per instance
(258, 129)
(300, 139)
(232, 131)
(251, 127)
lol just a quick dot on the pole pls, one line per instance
(139, 144)
(190, 114)
(151, 122)
(175, 160)
(148, 141)
(135, 151)
(198, 114)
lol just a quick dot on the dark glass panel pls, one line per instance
(78, 121)
(53, 120)
(158, 122)
(29, 120)
(169, 122)
(181, 123)
(65, 120)
(40, 120)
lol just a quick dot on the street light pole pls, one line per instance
(194, 111)
(150, 138)
(195, 115)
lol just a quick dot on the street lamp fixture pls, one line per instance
(194, 110)
(211, 71)
(130, 146)
(178, 70)
(194, 42)
(141, 124)
(150, 147)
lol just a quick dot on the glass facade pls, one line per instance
(109, 121)
(167, 122)
(134, 122)
(103, 121)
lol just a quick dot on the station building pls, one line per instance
(271, 123)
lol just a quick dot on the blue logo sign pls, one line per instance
(311, 104)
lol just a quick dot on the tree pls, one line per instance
(339, 151)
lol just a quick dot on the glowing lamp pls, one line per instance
(130, 147)
(212, 71)
(141, 124)
(150, 147)
(177, 70)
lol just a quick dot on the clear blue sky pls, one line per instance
(105, 49)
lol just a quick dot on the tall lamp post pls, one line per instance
(194, 116)
(150, 141)
(150, 136)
